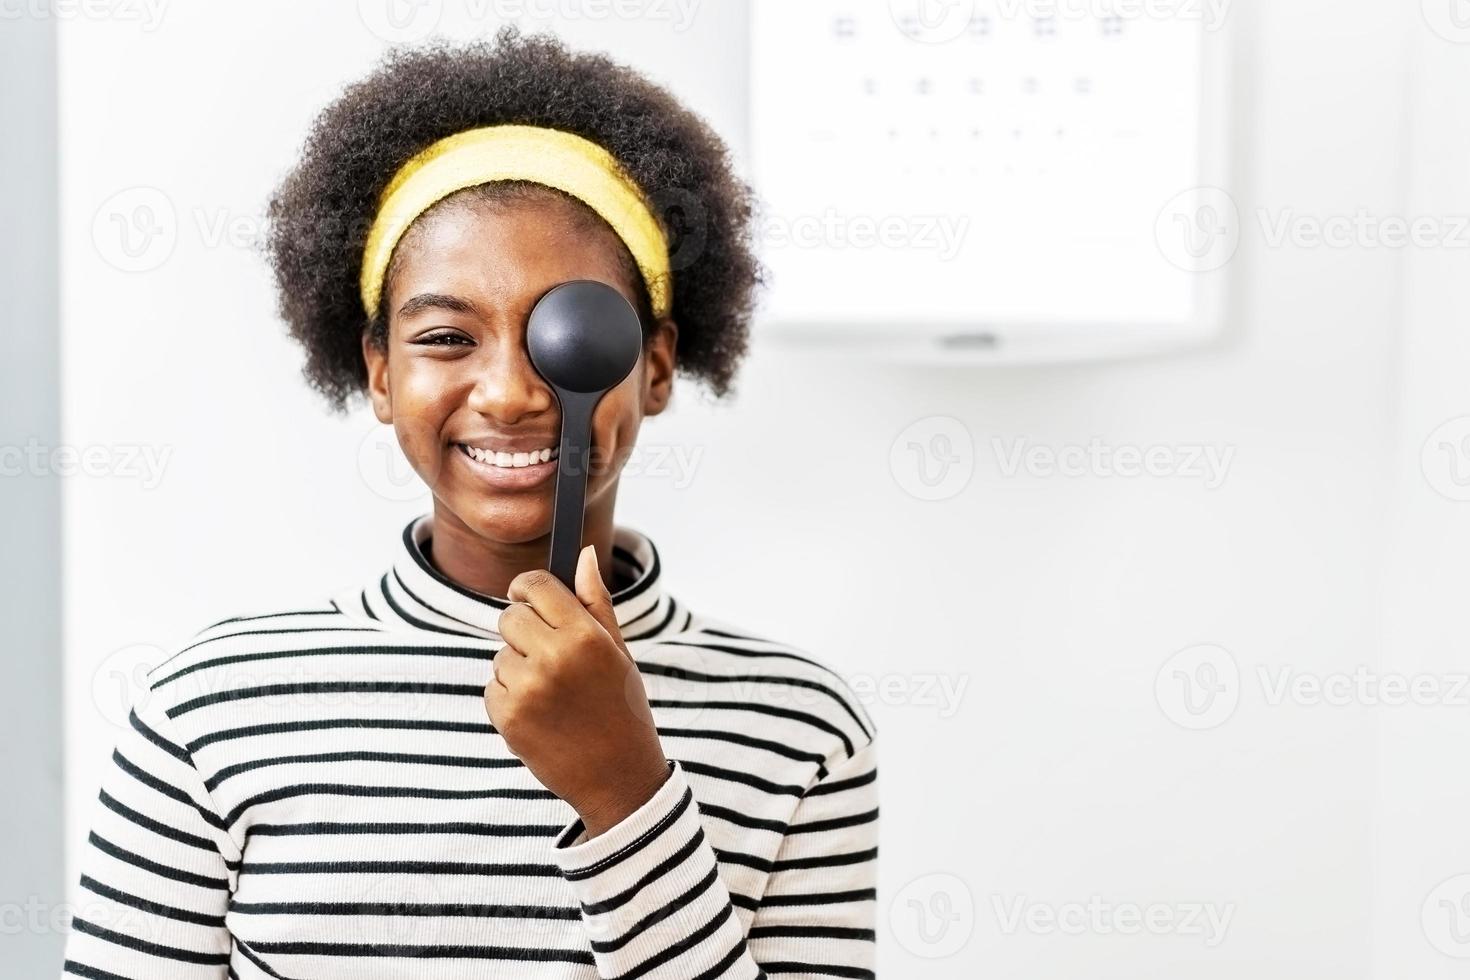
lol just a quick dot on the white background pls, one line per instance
(1055, 600)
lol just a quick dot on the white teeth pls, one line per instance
(509, 460)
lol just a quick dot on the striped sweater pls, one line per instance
(318, 793)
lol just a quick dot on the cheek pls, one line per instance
(419, 406)
(420, 445)
(615, 422)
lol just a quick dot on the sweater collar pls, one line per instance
(416, 594)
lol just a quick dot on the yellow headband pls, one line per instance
(547, 156)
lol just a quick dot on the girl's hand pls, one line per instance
(567, 697)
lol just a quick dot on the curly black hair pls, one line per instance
(319, 215)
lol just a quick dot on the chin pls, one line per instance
(505, 517)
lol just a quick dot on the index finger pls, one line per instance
(545, 593)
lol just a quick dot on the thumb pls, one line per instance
(592, 592)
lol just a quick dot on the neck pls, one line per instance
(487, 566)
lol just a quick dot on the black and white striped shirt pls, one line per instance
(318, 793)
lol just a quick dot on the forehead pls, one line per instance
(505, 255)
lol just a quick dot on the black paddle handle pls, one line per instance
(571, 482)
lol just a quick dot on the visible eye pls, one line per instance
(443, 340)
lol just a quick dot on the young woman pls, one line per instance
(458, 767)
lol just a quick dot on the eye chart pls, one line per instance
(990, 178)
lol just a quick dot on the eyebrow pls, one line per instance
(436, 301)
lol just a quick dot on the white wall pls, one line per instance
(1055, 601)
(1424, 800)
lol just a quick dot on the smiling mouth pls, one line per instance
(509, 461)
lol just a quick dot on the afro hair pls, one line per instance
(319, 215)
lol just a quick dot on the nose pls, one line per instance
(507, 386)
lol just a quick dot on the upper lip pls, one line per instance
(528, 444)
